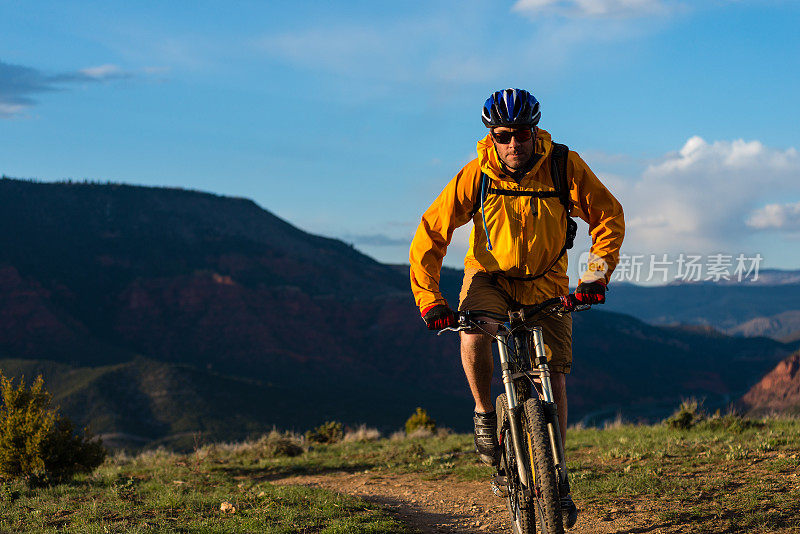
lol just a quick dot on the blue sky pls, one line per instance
(348, 118)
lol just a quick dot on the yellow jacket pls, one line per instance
(526, 233)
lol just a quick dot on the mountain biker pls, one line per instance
(517, 247)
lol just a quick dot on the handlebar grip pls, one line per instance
(569, 302)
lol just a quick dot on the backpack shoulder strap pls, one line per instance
(558, 171)
(483, 187)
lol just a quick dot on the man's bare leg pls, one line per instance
(476, 357)
(559, 383)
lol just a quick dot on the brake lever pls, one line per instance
(451, 329)
(570, 304)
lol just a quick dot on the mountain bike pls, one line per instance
(532, 473)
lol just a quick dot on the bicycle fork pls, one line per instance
(513, 423)
(551, 412)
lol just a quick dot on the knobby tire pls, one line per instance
(520, 507)
(545, 490)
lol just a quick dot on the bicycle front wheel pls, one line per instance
(544, 487)
(518, 500)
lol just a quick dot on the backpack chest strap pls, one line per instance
(558, 173)
(516, 193)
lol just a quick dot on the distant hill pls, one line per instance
(770, 307)
(778, 391)
(784, 326)
(154, 313)
(148, 402)
(766, 277)
(725, 307)
(623, 365)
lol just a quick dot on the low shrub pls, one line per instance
(420, 419)
(415, 451)
(37, 444)
(277, 444)
(686, 416)
(329, 432)
(731, 422)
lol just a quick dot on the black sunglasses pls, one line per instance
(505, 137)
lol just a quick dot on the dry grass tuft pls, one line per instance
(272, 445)
(362, 434)
(617, 423)
(421, 432)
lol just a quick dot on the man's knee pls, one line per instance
(474, 342)
(478, 339)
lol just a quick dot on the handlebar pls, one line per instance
(466, 319)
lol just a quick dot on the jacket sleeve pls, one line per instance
(595, 204)
(450, 210)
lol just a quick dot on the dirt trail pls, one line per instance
(451, 505)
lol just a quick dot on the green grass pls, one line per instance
(432, 457)
(721, 475)
(165, 492)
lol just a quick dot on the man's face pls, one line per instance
(514, 153)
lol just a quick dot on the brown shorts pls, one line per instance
(479, 292)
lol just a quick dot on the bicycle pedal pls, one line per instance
(499, 486)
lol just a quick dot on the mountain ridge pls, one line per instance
(113, 285)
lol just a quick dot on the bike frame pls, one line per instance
(531, 366)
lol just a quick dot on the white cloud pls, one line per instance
(19, 84)
(595, 8)
(705, 197)
(778, 216)
(102, 72)
(9, 110)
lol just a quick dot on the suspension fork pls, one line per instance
(513, 408)
(551, 410)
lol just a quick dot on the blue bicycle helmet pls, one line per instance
(510, 108)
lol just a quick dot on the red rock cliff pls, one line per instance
(778, 391)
